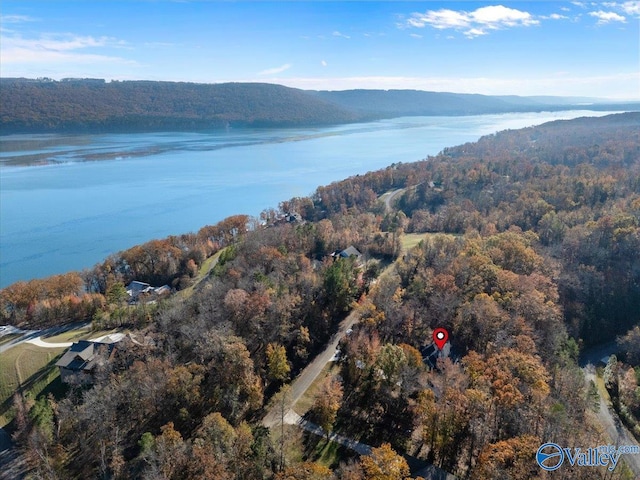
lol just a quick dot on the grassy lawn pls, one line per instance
(75, 335)
(28, 366)
(328, 453)
(604, 393)
(410, 240)
(207, 265)
(7, 338)
(293, 443)
(202, 274)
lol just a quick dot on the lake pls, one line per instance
(68, 201)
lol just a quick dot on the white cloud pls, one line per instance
(323, 63)
(473, 24)
(607, 17)
(630, 7)
(474, 32)
(500, 15)
(275, 70)
(440, 19)
(16, 19)
(338, 34)
(56, 49)
(159, 44)
(557, 16)
(415, 35)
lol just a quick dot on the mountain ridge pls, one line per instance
(94, 105)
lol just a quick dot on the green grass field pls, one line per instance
(27, 366)
(410, 240)
(205, 268)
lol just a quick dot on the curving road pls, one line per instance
(35, 336)
(615, 430)
(389, 197)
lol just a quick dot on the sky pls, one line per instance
(496, 48)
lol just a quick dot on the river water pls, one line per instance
(68, 201)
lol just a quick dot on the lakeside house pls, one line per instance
(135, 289)
(78, 364)
(431, 353)
(348, 252)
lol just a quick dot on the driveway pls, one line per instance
(615, 430)
(34, 336)
(391, 196)
(311, 372)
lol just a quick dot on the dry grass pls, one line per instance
(84, 333)
(28, 367)
(410, 240)
(7, 338)
(203, 273)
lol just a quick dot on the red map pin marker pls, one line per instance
(440, 337)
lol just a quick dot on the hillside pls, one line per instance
(414, 102)
(390, 103)
(93, 105)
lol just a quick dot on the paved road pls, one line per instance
(389, 197)
(24, 335)
(615, 430)
(292, 418)
(311, 372)
(33, 336)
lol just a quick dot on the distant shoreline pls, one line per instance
(176, 125)
(93, 106)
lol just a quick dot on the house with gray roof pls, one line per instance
(79, 362)
(348, 252)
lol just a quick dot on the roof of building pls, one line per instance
(81, 356)
(431, 353)
(349, 252)
(137, 286)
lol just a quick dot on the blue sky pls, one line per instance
(520, 48)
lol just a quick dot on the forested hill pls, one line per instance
(93, 105)
(390, 103)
